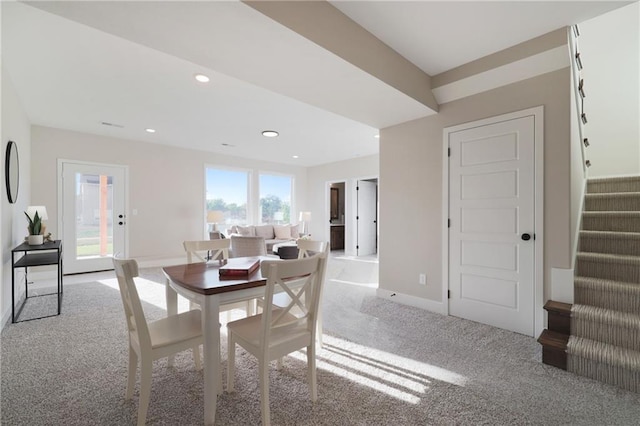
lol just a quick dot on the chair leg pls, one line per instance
(263, 371)
(146, 368)
(131, 372)
(311, 366)
(319, 330)
(231, 360)
(280, 363)
(196, 357)
(251, 307)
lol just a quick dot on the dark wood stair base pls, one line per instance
(554, 348)
(558, 316)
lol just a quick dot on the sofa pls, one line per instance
(272, 234)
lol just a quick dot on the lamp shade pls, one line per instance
(215, 216)
(42, 212)
(305, 216)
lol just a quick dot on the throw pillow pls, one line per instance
(265, 231)
(283, 232)
(247, 231)
(295, 233)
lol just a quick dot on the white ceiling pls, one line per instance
(132, 64)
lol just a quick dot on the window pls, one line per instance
(227, 192)
(275, 198)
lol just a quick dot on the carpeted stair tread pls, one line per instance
(625, 243)
(617, 201)
(606, 325)
(608, 266)
(611, 221)
(619, 184)
(610, 294)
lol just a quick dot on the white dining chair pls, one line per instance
(212, 250)
(306, 248)
(149, 341)
(278, 332)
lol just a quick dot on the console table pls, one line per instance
(49, 253)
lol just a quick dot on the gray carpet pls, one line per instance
(382, 364)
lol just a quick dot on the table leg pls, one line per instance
(211, 348)
(172, 308)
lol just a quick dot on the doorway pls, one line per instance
(92, 214)
(337, 209)
(367, 217)
(494, 238)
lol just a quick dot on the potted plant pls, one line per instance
(35, 229)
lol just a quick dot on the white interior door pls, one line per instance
(366, 218)
(93, 219)
(491, 211)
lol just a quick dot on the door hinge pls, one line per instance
(357, 188)
(448, 294)
(448, 152)
(357, 247)
(448, 223)
(357, 217)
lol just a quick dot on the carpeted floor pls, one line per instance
(382, 364)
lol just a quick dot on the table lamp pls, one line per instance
(214, 217)
(305, 218)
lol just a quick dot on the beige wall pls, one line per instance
(166, 185)
(411, 168)
(15, 127)
(348, 171)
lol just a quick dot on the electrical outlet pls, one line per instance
(422, 279)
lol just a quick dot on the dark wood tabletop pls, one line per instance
(204, 278)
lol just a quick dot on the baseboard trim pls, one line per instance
(416, 302)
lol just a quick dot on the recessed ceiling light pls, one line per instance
(270, 134)
(295, 156)
(150, 130)
(201, 78)
(377, 136)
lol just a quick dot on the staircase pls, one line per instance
(605, 318)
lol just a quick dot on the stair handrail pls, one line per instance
(573, 32)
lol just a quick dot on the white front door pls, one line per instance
(93, 219)
(366, 218)
(491, 235)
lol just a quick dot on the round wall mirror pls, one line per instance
(12, 171)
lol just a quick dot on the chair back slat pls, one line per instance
(126, 270)
(307, 248)
(204, 250)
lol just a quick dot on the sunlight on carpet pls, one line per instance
(399, 377)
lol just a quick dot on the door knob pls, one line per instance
(526, 237)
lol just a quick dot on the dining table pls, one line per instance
(201, 283)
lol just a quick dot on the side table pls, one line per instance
(49, 253)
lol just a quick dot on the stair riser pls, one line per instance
(623, 336)
(613, 203)
(629, 273)
(627, 185)
(613, 375)
(622, 301)
(623, 246)
(613, 224)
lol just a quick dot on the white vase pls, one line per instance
(35, 240)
